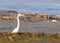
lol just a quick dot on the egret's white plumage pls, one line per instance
(17, 28)
(53, 21)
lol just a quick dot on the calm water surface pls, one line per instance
(31, 6)
(32, 27)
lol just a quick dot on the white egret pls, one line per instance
(15, 30)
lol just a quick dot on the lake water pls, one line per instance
(31, 27)
(32, 6)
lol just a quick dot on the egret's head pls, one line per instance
(21, 15)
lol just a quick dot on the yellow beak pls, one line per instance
(21, 15)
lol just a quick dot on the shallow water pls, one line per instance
(32, 6)
(32, 27)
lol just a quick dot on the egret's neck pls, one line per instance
(18, 21)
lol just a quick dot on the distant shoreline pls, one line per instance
(11, 14)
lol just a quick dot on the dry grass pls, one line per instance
(29, 38)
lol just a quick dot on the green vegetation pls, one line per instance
(29, 38)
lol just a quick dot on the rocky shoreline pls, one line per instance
(11, 15)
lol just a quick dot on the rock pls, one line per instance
(39, 16)
(6, 18)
